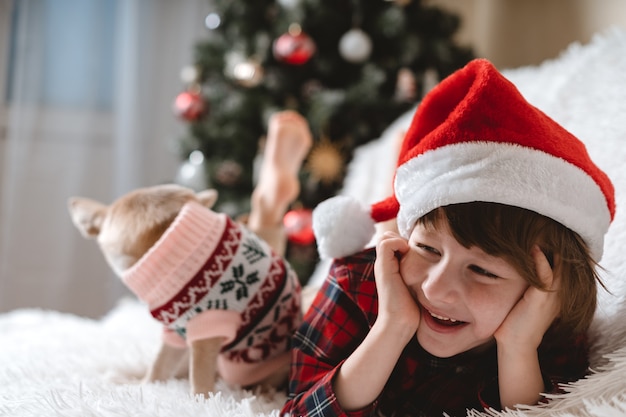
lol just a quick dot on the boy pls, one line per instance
(483, 299)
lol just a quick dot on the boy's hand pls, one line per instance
(533, 314)
(519, 374)
(396, 306)
(363, 375)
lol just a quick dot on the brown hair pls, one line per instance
(510, 233)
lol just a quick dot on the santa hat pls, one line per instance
(475, 138)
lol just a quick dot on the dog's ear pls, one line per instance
(87, 215)
(207, 197)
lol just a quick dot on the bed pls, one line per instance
(54, 364)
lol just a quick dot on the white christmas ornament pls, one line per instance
(289, 4)
(213, 21)
(192, 173)
(189, 74)
(355, 46)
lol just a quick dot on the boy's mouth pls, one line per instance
(444, 321)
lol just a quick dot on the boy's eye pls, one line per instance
(428, 249)
(483, 272)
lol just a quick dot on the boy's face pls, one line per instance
(464, 294)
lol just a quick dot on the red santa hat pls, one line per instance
(475, 138)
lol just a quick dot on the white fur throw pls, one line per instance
(53, 364)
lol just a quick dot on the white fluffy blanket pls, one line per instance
(53, 364)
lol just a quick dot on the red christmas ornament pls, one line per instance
(189, 105)
(298, 225)
(294, 47)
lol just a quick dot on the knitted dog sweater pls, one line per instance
(208, 276)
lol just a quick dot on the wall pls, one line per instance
(513, 33)
(53, 149)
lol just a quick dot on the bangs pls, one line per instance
(499, 230)
(485, 225)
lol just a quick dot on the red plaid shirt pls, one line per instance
(421, 384)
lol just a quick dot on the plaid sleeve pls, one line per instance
(333, 327)
(563, 360)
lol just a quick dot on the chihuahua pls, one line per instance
(228, 303)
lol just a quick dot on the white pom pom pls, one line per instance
(342, 227)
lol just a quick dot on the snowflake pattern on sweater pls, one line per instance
(228, 269)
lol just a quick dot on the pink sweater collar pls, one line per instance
(177, 256)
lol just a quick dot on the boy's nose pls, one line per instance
(441, 284)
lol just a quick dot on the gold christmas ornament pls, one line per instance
(325, 162)
(248, 73)
(228, 173)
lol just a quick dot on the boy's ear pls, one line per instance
(87, 215)
(207, 197)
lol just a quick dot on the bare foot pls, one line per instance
(288, 142)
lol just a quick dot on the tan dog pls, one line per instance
(217, 288)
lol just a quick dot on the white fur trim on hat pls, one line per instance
(506, 174)
(342, 227)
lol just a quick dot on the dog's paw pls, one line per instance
(119, 377)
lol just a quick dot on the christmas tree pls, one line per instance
(351, 67)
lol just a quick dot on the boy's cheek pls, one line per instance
(414, 295)
(412, 263)
(411, 273)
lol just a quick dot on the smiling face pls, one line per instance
(464, 293)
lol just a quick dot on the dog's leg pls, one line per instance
(181, 370)
(166, 363)
(203, 364)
